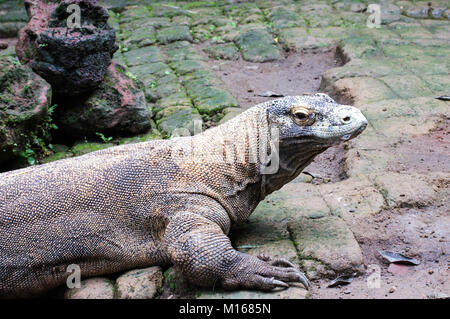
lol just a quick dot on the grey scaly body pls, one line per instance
(164, 201)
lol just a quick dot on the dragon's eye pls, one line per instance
(303, 115)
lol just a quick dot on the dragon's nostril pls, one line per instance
(346, 119)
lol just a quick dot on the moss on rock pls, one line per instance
(183, 122)
(117, 107)
(174, 33)
(88, 147)
(225, 51)
(24, 112)
(257, 45)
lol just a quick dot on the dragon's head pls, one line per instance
(314, 118)
(306, 126)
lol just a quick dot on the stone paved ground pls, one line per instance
(388, 189)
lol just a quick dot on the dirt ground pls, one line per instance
(295, 75)
(404, 230)
(425, 153)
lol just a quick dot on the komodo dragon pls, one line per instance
(164, 202)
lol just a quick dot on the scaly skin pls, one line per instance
(164, 202)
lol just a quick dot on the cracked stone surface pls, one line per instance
(329, 241)
(140, 283)
(404, 189)
(94, 288)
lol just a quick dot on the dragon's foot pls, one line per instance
(262, 273)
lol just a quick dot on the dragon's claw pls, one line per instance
(264, 273)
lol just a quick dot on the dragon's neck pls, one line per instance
(247, 150)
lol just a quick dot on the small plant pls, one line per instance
(27, 90)
(206, 117)
(344, 23)
(268, 24)
(131, 75)
(50, 112)
(217, 39)
(307, 22)
(232, 24)
(39, 146)
(121, 47)
(205, 36)
(16, 62)
(29, 155)
(169, 279)
(104, 139)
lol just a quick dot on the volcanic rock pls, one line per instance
(72, 59)
(116, 107)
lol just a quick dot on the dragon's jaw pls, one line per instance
(347, 122)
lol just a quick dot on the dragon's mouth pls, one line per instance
(337, 133)
(330, 136)
(355, 133)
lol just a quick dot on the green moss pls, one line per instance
(174, 33)
(257, 45)
(154, 134)
(143, 56)
(169, 279)
(199, 4)
(228, 51)
(6, 100)
(170, 110)
(86, 147)
(27, 90)
(182, 120)
(55, 157)
(217, 100)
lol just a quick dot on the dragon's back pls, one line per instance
(94, 210)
